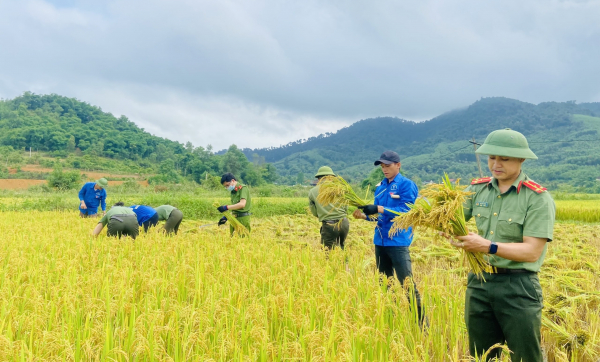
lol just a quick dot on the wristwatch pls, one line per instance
(493, 248)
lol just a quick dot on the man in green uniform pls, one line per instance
(172, 217)
(240, 201)
(334, 223)
(121, 220)
(515, 221)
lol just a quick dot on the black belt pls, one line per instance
(331, 221)
(510, 271)
(242, 214)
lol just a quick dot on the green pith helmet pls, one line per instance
(507, 143)
(325, 171)
(102, 182)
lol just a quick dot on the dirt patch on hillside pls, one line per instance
(19, 184)
(34, 168)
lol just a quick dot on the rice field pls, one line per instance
(578, 210)
(276, 296)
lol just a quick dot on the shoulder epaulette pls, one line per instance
(532, 185)
(483, 180)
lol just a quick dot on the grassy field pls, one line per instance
(203, 296)
(197, 204)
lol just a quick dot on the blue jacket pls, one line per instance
(143, 213)
(394, 196)
(92, 197)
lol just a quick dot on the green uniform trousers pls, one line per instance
(505, 308)
(123, 225)
(244, 220)
(173, 222)
(334, 234)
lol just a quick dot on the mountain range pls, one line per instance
(564, 135)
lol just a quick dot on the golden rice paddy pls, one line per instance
(276, 296)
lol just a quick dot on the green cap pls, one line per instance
(507, 143)
(325, 171)
(102, 182)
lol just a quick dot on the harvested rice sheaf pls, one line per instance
(237, 226)
(440, 207)
(336, 191)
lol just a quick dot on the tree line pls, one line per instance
(83, 135)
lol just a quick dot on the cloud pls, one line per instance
(283, 70)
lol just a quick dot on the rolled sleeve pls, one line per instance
(539, 220)
(244, 193)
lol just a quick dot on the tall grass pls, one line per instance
(203, 296)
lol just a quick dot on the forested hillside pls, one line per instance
(563, 135)
(86, 136)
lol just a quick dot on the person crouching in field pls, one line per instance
(121, 220)
(240, 201)
(515, 222)
(92, 195)
(172, 217)
(392, 254)
(334, 223)
(146, 216)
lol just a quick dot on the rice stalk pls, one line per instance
(237, 226)
(338, 192)
(440, 207)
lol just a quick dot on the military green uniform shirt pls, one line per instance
(164, 211)
(115, 210)
(508, 217)
(327, 212)
(241, 192)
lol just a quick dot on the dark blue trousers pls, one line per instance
(151, 222)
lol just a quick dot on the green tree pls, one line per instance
(234, 161)
(252, 176)
(269, 173)
(63, 180)
(71, 144)
(167, 172)
(373, 180)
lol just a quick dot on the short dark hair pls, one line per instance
(227, 177)
(120, 203)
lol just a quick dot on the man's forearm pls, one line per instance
(521, 252)
(97, 229)
(238, 206)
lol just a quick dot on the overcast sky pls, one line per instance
(261, 73)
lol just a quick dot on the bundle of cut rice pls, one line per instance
(237, 226)
(440, 207)
(336, 191)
